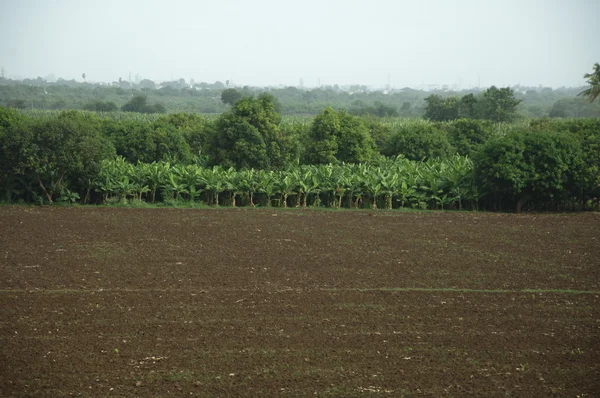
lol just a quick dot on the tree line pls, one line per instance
(540, 163)
(190, 97)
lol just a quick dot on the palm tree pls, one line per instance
(594, 81)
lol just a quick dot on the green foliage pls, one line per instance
(498, 105)
(13, 137)
(179, 96)
(359, 108)
(53, 153)
(249, 135)
(101, 106)
(196, 130)
(339, 136)
(230, 96)
(575, 107)
(467, 135)
(537, 165)
(379, 132)
(587, 131)
(139, 103)
(389, 183)
(418, 141)
(148, 142)
(47, 156)
(440, 109)
(594, 81)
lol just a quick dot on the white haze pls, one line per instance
(277, 42)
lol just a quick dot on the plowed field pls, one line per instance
(173, 302)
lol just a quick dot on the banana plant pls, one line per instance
(248, 184)
(213, 183)
(232, 184)
(155, 175)
(190, 179)
(266, 181)
(389, 187)
(406, 193)
(374, 186)
(343, 184)
(284, 186)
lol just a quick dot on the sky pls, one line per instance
(278, 42)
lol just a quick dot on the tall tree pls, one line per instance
(498, 105)
(230, 96)
(249, 135)
(594, 82)
(440, 109)
(339, 136)
(67, 147)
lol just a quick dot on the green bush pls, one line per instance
(468, 135)
(418, 141)
(536, 166)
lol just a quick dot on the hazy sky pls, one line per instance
(271, 42)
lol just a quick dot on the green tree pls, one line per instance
(14, 142)
(594, 81)
(322, 145)
(468, 107)
(440, 109)
(230, 96)
(339, 136)
(60, 152)
(195, 129)
(248, 135)
(139, 103)
(468, 135)
(147, 84)
(498, 105)
(418, 141)
(523, 166)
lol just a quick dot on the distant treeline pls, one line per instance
(187, 96)
(541, 164)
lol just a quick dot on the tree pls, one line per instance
(139, 103)
(468, 135)
(147, 84)
(594, 82)
(498, 105)
(523, 166)
(339, 136)
(58, 150)
(249, 135)
(13, 137)
(195, 129)
(440, 109)
(148, 142)
(468, 107)
(230, 96)
(417, 142)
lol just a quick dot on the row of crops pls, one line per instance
(389, 184)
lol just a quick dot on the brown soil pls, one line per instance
(172, 302)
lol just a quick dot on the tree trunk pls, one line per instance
(50, 193)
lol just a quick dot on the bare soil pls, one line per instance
(173, 302)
